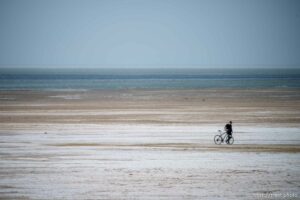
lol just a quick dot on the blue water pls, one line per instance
(88, 79)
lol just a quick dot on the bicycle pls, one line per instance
(223, 137)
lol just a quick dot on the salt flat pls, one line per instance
(147, 162)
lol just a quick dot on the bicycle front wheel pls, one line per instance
(230, 141)
(218, 139)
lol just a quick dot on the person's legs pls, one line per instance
(228, 136)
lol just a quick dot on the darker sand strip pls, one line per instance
(272, 148)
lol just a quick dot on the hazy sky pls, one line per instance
(150, 33)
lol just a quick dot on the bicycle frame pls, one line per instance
(223, 135)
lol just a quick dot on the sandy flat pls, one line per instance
(149, 144)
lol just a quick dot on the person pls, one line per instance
(228, 129)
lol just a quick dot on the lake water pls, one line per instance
(106, 79)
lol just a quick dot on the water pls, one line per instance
(89, 79)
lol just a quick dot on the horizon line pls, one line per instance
(150, 66)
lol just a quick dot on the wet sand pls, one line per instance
(149, 144)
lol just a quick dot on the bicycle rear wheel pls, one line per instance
(218, 139)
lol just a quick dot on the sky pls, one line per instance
(150, 33)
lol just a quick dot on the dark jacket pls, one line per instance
(228, 128)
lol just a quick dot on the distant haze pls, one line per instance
(150, 33)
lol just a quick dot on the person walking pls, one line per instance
(228, 129)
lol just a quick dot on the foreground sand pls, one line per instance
(149, 144)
